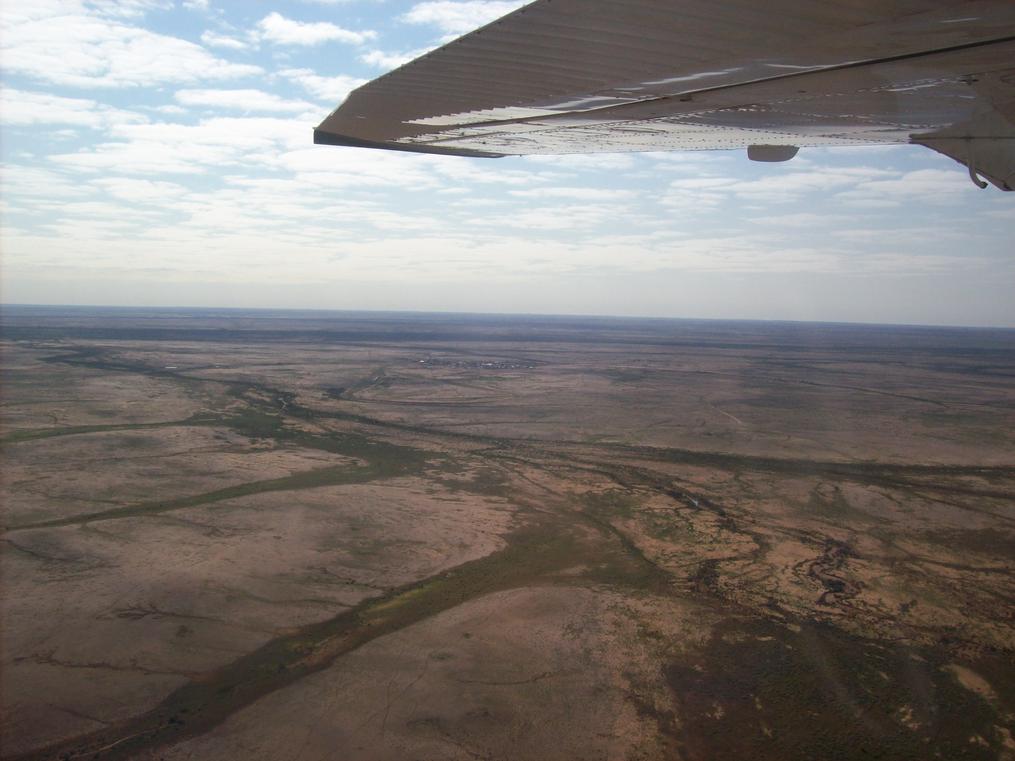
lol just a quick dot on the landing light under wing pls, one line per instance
(584, 76)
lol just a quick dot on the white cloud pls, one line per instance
(170, 109)
(910, 238)
(127, 8)
(385, 60)
(462, 16)
(578, 194)
(196, 5)
(802, 220)
(935, 186)
(140, 191)
(212, 144)
(280, 30)
(782, 186)
(788, 186)
(216, 40)
(69, 44)
(101, 218)
(32, 183)
(20, 107)
(577, 161)
(243, 100)
(695, 195)
(325, 167)
(329, 89)
(467, 171)
(582, 218)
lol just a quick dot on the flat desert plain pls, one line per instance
(297, 535)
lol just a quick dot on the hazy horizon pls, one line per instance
(309, 311)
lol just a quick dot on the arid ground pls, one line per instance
(272, 535)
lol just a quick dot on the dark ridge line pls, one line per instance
(35, 434)
(334, 476)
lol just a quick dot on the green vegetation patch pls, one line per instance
(612, 503)
(383, 460)
(764, 691)
(826, 501)
(624, 374)
(76, 430)
(308, 479)
(484, 481)
(993, 542)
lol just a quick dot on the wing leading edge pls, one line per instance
(583, 76)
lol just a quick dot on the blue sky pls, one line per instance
(160, 153)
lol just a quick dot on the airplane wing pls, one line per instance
(582, 76)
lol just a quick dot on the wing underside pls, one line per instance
(581, 76)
